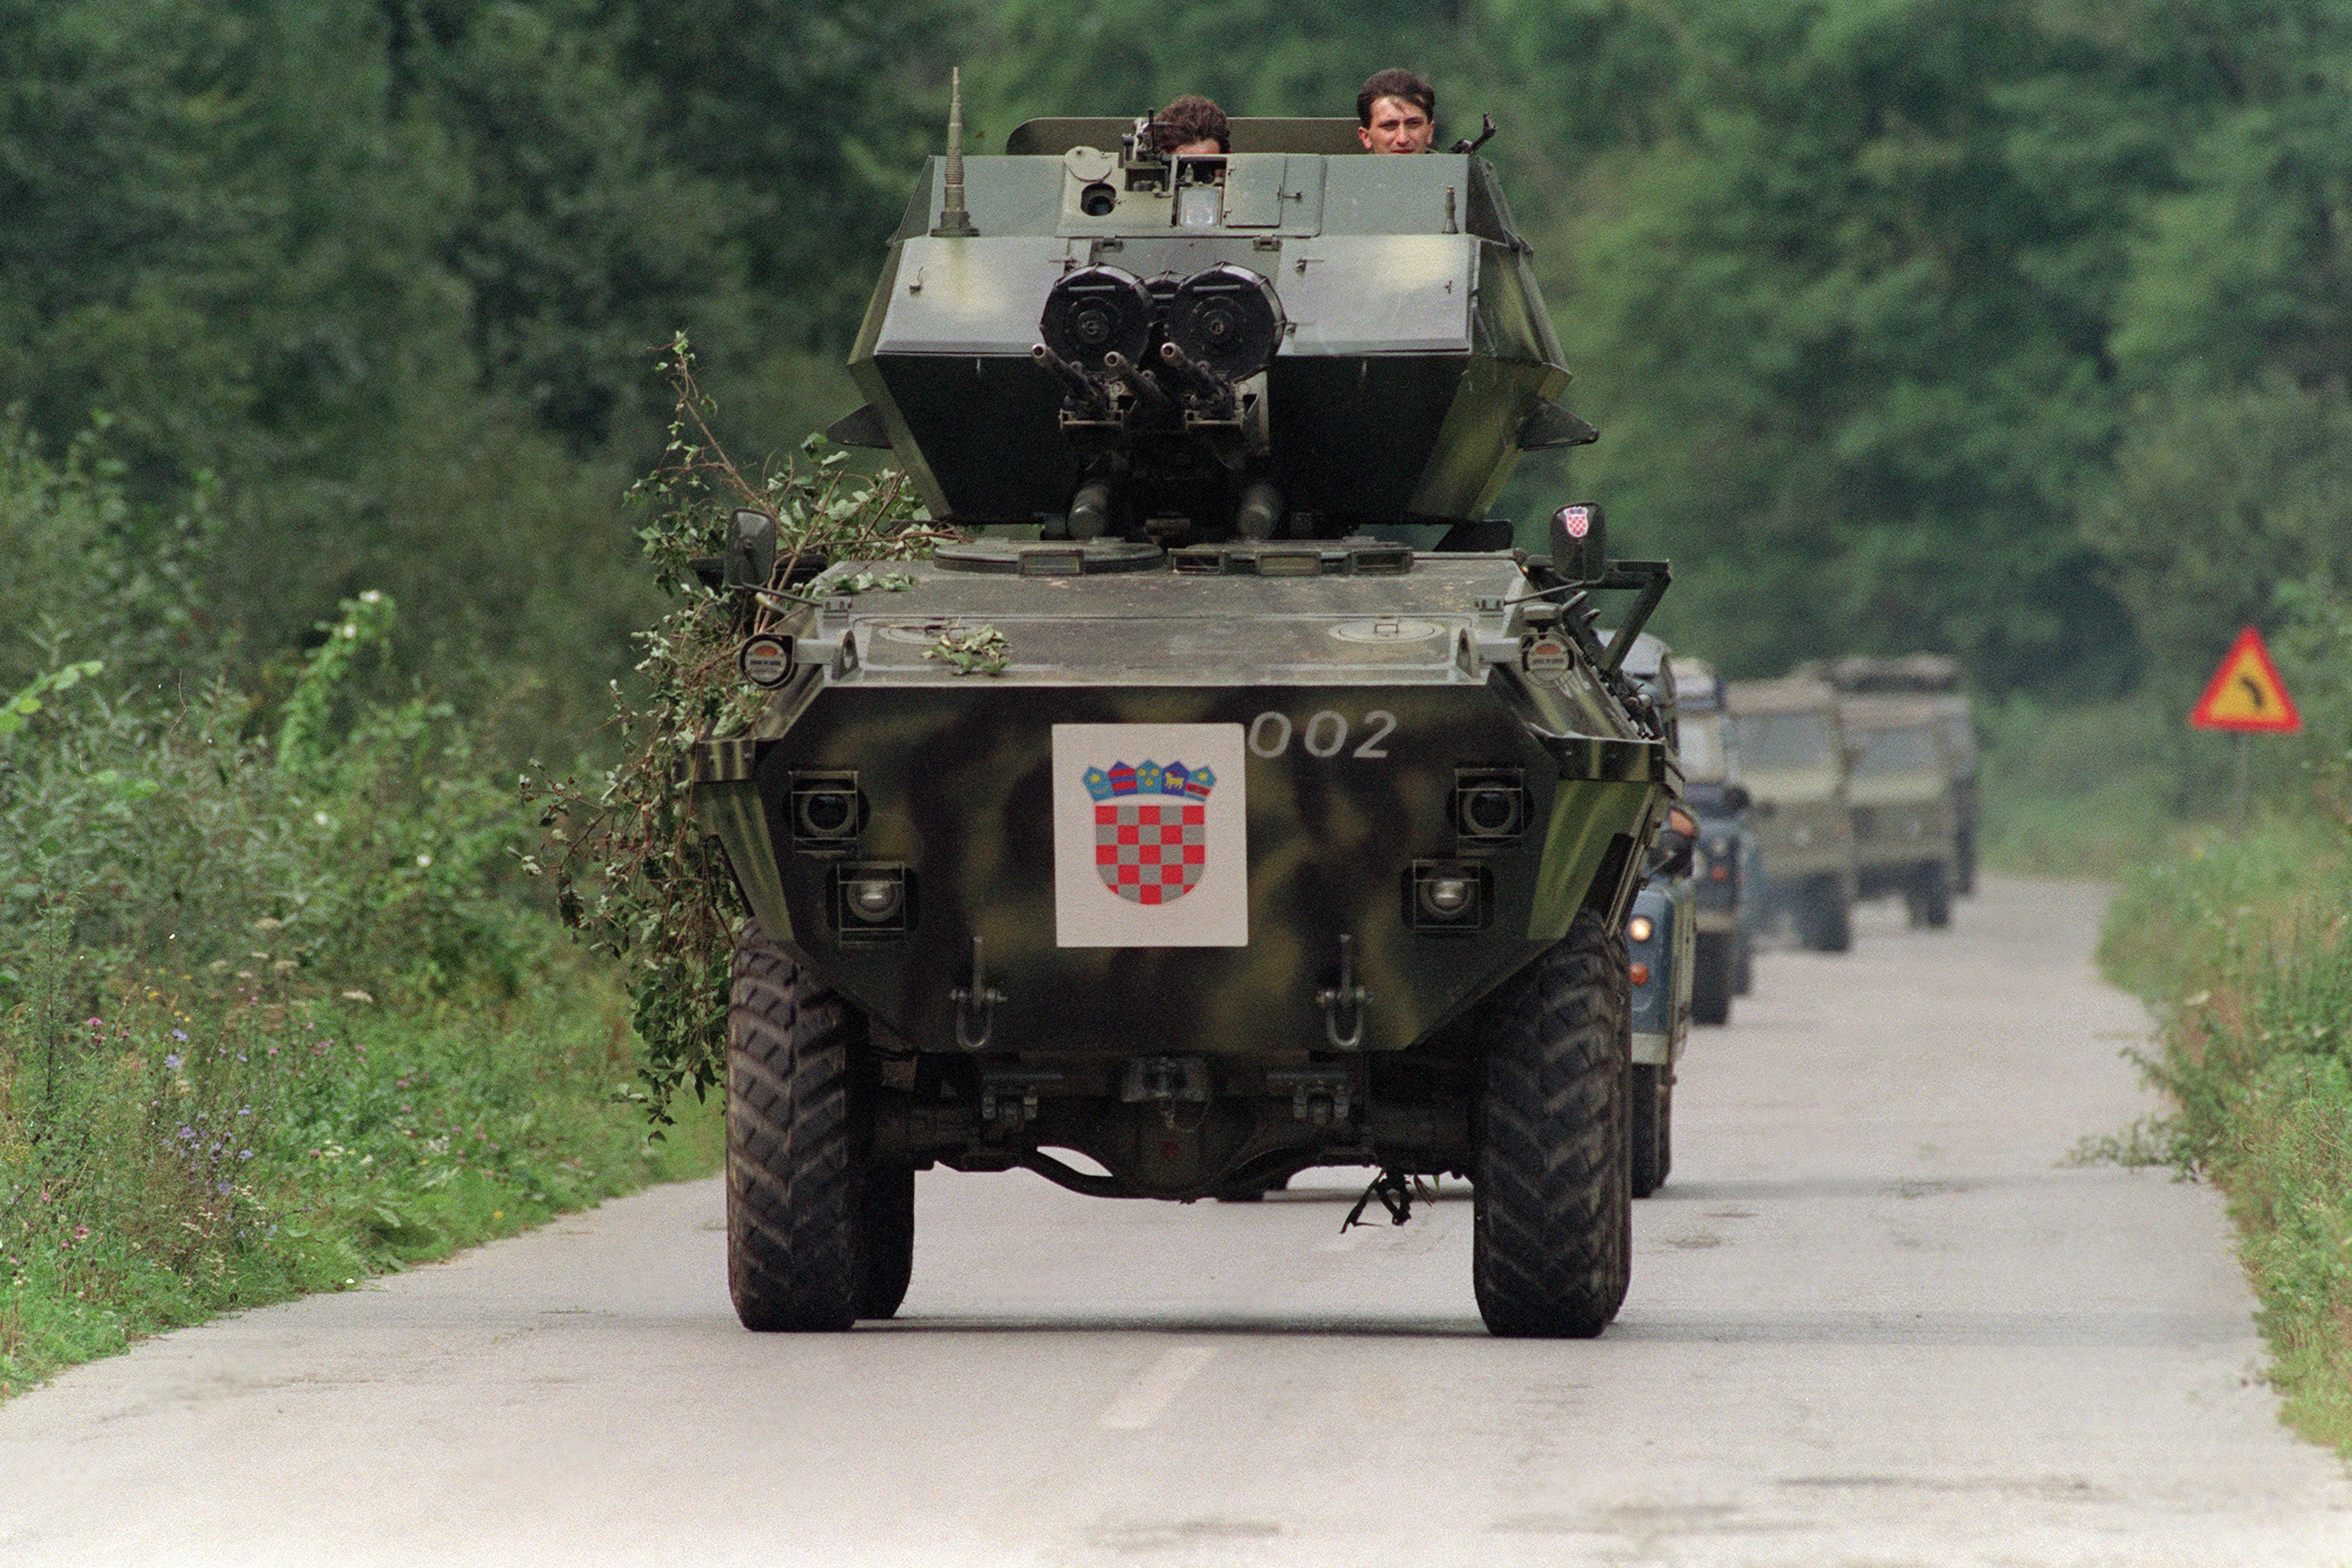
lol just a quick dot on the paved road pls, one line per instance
(1872, 1322)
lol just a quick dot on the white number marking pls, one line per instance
(1258, 727)
(1339, 734)
(1326, 735)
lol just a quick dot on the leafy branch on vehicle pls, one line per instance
(971, 651)
(633, 872)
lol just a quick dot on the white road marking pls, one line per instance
(1159, 1384)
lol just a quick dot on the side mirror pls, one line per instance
(751, 558)
(1762, 809)
(1736, 797)
(1580, 543)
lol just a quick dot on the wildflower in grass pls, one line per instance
(181, 1035)
(172, 1063)
(223, 1188)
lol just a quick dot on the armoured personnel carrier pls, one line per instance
(1176, 833)
(1792, 750)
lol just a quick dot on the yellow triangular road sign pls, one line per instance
(2246, 692)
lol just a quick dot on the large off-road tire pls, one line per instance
(1743, 979)
(1550, 1249)
(1825, 917)
(807, 1220)
(1714, 977)
(1651, 1106)
(1928, 896)
(1964, 869)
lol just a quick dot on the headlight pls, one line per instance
(1639, 929)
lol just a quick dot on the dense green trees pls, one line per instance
(2013, 327)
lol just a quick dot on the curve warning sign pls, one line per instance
(2246, 692)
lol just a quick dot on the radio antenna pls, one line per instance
(954, 222)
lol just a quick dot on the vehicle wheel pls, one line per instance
(1647, 1129)
(1712, 978)
(1964, 869)
(1827, 916)
(1743, 979)
(1666, 1132)
(889, 1242)
(803, 1206)
(1928, 897)
(1551, 1231)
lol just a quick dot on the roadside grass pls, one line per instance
(193, 1148)
(2242, 948)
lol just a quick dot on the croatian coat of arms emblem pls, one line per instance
(1152, 840)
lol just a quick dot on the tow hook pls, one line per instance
(1344, 1001)
(975, 1004)
(1165, 1081)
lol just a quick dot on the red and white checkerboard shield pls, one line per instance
(1150, 851)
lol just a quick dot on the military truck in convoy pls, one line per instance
(1934, 679)
(1905, 822)
(1177, 831)
(1794, 761)
(1725, 877)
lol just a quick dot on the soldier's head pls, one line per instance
(1192, 124)
(1396, 111)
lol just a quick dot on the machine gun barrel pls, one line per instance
(1204, 383)
(1142, 382)
(1077, 383)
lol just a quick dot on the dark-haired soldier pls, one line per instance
(1396, 111)
(1197, 127)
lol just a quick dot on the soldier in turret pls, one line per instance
(1396, 111)
(1196, 127)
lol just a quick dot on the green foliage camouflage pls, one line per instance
(630, 869)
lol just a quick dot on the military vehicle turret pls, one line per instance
(1176, 822)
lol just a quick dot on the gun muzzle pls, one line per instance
(1142, 382)
(1076, 382)
(1198, 377)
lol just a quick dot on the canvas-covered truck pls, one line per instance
(1938, 682)
(1178, 831)
(1794, 756)
(1905, 819)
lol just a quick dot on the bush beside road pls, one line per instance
(2242, 948)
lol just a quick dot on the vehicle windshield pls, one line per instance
(1886, 752)
(1769, 741)
(1703, 749)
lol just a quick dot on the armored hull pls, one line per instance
(1344, 720)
